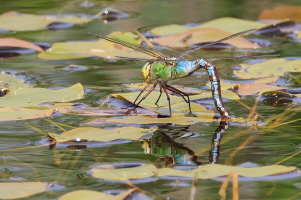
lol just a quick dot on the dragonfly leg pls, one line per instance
(141, 92)
(150, 91)
(159, 97)
(216, 89)
(168, 98)
(181, 93)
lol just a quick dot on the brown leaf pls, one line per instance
(282, 12)
(253, 88)
(14, 42)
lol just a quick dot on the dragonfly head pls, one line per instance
(146, 72)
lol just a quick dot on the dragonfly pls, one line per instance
(162, 69)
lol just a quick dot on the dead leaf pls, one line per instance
(282, 12)
(14, 42)
(253, 88)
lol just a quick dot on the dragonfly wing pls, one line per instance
(218, 41)
(143, 49)
(241, 57)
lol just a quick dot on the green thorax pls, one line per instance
(154, 72)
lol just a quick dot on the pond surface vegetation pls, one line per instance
(87, 142)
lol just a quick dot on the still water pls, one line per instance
(67, 166)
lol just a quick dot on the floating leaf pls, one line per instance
(97, 134)
(100, 48)
(232, 25)
(273, 67)
(93, 195)
(71, 108)
(282, 12)
(202, 35)
(21, 95)
(228, 24)
(149, 120)
(253, 88)
(149, 102)
(15, 190)
(14, 42)
(13, 113)
(15, 21)
(143, 171)
(216, 170)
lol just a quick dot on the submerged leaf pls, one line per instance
(97, 134)
(13, 113)
(202, 35)
(93, 195)
(14, 42)
(273, 67)
(143, 171)
(15, 190)
(216, 170)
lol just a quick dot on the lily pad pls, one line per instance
(228, 24)
(93, 195)
(13, 113)
(282, 12)
(104, 135)
(15, 21)
(21, 95)
(100, 48)
(149, 120)
(143, 171)
(216, 170)
(149, 102)
(202, 35)
(14, 42)
(15, 190)
(253, 88)
(273, 67)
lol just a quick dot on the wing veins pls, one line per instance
(143, 49)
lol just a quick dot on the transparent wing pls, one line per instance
(143, 49)
(180, 55)
(241, 57)
(209, 59)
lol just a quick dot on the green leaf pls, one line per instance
(15, 21)
(97, 134)
(143, 171)
(149, 102)
(15, 190)
(273, 67)
(13, 113)
(100, 48)
(202, 35)
(228, 24)
(149, 120)
(216, 170)
(232, 25)
(20, 95)
(93, 195)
